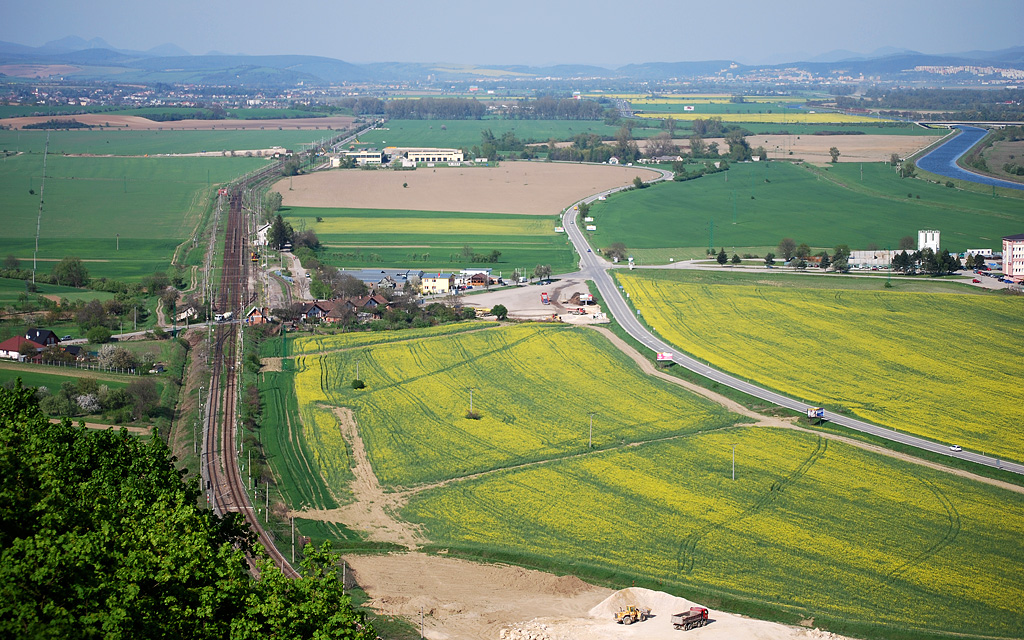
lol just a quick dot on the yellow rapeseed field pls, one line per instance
(942, 366)
(534, 386)
(523, 226)
(813, 527)
(778, 118)
(344, 341)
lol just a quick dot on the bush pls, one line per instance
(358, 384)
(499, 311)
(98, 335)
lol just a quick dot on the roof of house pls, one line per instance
(14, 344)
(42, 336)
(1019, 236)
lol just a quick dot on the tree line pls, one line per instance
(103, 536)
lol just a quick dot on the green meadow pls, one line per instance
(124, 216)
(754, 205)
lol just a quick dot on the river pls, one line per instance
(942, 159)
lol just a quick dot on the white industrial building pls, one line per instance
(928, 238)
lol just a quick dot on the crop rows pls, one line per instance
(814, 529)
(911, 361)
(533, 385)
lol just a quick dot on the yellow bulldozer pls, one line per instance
(632, 614)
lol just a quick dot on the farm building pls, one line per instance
(868, 259)
(1013, 257)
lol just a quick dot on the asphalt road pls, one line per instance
(594, 268)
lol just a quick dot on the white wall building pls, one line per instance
(928, 238)
(1013, 257)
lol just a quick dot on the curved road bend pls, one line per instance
(596, 269)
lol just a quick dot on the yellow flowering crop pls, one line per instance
(811, 526)
(774, 118)
(534, 386)
(343, 341)
(519, 226)
(942, 366)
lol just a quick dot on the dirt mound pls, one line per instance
(659, 602)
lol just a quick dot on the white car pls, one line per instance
(955, 447)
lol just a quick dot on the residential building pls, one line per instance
(436, 283)
(1013, 257)
(44, 337)
(10, 349)
(258, 315)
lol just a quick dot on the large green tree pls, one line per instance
(101, 537)
(70, 272)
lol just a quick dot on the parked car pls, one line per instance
(975, 281)
(66, 338)
(955, 448)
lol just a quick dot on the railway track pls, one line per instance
(226, 491)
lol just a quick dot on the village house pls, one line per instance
(436, 283)
(258, 315)
(11, 348)
(44, 337)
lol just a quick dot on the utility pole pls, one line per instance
(590, 444)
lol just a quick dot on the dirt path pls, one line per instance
(373, 510)
(789, 423)
(139, 431)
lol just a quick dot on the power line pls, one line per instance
(39, 218)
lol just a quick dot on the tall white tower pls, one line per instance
(928, 238)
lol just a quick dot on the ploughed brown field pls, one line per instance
(532, 188)
(137, 123)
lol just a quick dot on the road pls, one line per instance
(594, 268)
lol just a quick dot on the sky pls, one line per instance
(527, 32)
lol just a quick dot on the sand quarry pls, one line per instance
(534, 188)
(464, 600)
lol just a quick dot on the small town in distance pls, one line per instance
(299, 343)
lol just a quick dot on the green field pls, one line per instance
(432, 240)
(123, 216)
(911, 361)
(754, 205)
(140, 143)
(11, 290)
(809, 528)
(460, 134)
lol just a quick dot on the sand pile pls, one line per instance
(661, 604)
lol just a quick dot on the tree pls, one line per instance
(114, 357)
(902, 261)
(273, 201)
(280, 232)
(542, 272)
(840, 251)
(736, 259)
(697, 147)
(722, 258)
(834, 153)
(307, 239)
(12, 263)
(908, 243)
(638, 183)
(769, 259)
(894, 160)
(739, 148)
(798, 263)
(616, 250)
(103, 537)
(787, 248)
(803, 251)
(661, 145)
(908, 169)
(499, 311)
(825, 260)
(70, 272)
(98, 335)
(146, 396)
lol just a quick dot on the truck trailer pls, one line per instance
(695, 617)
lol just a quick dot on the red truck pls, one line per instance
(544, 297)
(695, 617)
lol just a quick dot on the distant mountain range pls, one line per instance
(97, 60)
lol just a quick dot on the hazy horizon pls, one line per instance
(529, 32)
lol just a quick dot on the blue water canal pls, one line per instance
(942, 159)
